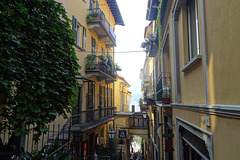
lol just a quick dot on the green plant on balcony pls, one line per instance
(118, 68)
(104, 59)
(91, 61)
(93, 16)
(109, 60)
(115, 67)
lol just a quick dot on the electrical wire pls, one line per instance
(116, 52)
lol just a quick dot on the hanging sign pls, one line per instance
(122, 134)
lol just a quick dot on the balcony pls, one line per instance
(154, 44)
(92, 117)
(145, 83)
(102, 67)
(97, 22)
(163, 88)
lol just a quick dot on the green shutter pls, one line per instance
(74, 26)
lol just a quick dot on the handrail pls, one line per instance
(57, 150)
(92, 110)
(59, 133)
(96, 114)
(93, 115)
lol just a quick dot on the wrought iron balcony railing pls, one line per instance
(93, 116)
(96, 16)
(98, 63)
(163, 88)
(106, 67)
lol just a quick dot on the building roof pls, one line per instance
(116, 12)
(119, 77)
(152, 10)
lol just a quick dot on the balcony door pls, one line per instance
(76, 110)
(91, 93)
(91, 4)
(97, 4)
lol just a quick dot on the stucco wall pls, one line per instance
(223, 29)
(225, 139)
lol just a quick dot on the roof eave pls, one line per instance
(116, 12)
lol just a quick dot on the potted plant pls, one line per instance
(90, 17)
(109, 60)
(94, 16)
(118, 68)
(166, 95)
(104, 59)
(91, 61)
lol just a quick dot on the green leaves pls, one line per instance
(38, 63)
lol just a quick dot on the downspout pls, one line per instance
(204, 51)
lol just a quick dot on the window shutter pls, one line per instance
(74, 26)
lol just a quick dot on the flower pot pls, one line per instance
(166, 100)
(96, 18)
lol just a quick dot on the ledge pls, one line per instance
(77, 46)
(231, 111)
(191, 63)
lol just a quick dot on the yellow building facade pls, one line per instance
(196, 110)
(122, 95)
(93, 25)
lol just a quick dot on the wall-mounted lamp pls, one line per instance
(144, 114)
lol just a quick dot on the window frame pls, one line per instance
(91, 95)
(190, 38)
(103, 51)
(78, 38)
(84, 38)
(93, 45)
(74, 27)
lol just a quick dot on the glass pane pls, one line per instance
(192, 28)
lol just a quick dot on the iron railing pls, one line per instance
(92, 157)
(105, 67)
(56, 141)
(92, 116)
(163, 88)
(103, 21)
(56, 133)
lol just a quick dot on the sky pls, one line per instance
(129, 38)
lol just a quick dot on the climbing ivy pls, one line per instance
(159, 27)
(37, 66)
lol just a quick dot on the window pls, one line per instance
(91, 93)
(193, 142)
(91, 4)
(126, 103)
(121, 105)
(78, 107)
(111, 97)
(74, 27)
(78, 35)
(100, 96)
(97, 4)
(93, 46)
(103, 51)
(84, 39)
(193, 41)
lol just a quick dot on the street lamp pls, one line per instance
(144, 114)
(111, 133)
